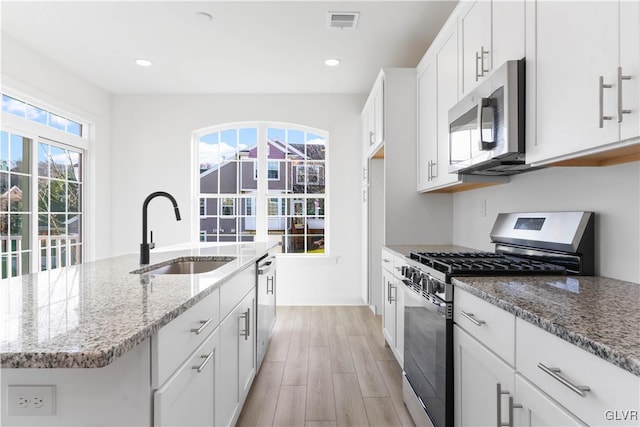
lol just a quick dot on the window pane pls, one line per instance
(315, 178)
(228, 226)
(229, 143)
(276, 134)
(4, 192)
(248, 137)
(209, 225)
(228, 207)
(276, 224)
(248, 181)
(19, 154)
(59, 162)
(75, 166)
(57, 122)
(74, 227)
(315, 207)
(18, 193)
(74, 128)
(4, 151)
(13, 106)
(36, 114)
(295, 244)
(19, 232)
(74, 193)
(228, 177)
(57, 196)
(295, 137)
(57, 225)
(315, 244)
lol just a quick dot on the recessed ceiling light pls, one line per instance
(204, 16)
(143, 62)
(332, 62)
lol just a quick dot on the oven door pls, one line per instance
(428, 354)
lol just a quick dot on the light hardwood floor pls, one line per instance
(327, 366)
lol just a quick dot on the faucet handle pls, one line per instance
(151, 243)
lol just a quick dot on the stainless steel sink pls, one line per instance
(186, 265)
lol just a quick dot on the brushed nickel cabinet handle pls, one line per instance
(555, 374)
(477, 68)
(621, 111)
(482, 54)
(472, 319)
(372, 137)
(207, 358)
(205, 323)
(601, 87)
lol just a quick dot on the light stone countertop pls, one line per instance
(88, 315)
(598, 314)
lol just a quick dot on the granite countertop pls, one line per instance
(88, 315)
(598, 314)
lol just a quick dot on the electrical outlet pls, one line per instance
(483, 207)
(32, 400)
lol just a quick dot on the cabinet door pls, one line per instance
(187, 398)
(227, 402)
(246, 344)
(630, 66)
(389, 311)
(399, 302)
(265, 309)
(569, 63)
(378, 113)
(538, 410)
(477, 374)
(427, 124)
(507, 31)
(475, 26)
(447, 60)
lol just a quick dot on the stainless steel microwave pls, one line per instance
(486, 127)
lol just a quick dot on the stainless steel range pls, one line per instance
(542, 243)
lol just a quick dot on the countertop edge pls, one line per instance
(103, 358)
(597, 349)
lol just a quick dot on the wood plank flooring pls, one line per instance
(327, 366)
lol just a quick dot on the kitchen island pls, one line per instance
(107, 324)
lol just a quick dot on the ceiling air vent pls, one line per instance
(343, 20)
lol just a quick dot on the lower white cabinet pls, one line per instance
(536, 409)
(393, 305)
(237, 347)
(483, 383)
(186, 399)
(265, 305)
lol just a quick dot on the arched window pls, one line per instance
(264, 182)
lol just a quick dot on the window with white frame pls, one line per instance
(288, 195)
(41, 190)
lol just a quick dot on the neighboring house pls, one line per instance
(13, 195)
(288, 171)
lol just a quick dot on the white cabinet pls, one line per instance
(491, 32)
(437, 86)
(475, 30)
(373, 115)
(538, 410)
(483, 383)
(393, 304)
(427, 87)
(582, 83)
(237, 357)
(186, 399)
(581, 382)
(437, 91)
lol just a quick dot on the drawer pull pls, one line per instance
(386, 260)
(555, 374)
(205, 323)
(473, 319)
(512, 406)
(207, 358)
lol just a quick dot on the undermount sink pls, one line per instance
(186, 265)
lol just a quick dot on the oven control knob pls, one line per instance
(416, 277)
(429, 286)
(403, 270)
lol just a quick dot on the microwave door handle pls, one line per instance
(487, 106)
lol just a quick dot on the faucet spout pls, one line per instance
(145, 246)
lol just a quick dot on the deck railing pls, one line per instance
(54, 252)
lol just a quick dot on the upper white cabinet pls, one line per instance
(491, 32)
(475, 30)
(582, 81)
(427, 87)
(373, 115)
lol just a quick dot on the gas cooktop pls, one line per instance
(483, 263)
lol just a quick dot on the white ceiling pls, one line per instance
(249, 47)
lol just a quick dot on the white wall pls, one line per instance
(44, 80)
(152, 151)
(612, 192)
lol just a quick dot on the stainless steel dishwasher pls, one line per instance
(266, 304)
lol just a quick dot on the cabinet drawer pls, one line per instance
(490, 325)
(388, 260)
(173, 343)
(232, 292)
(614, 392)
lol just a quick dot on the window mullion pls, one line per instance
(262, 186)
